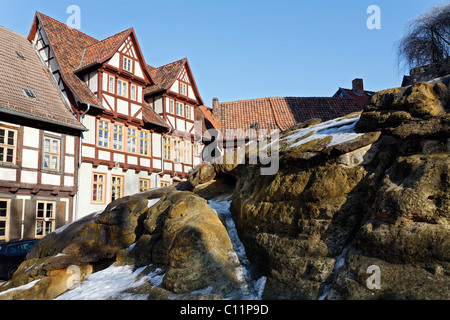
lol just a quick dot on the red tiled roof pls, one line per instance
(204, 115)
(69, 43)
(360, 99)
(164, 76)
(98, 51)
(280, 112)
(152, 116)
(17, 74)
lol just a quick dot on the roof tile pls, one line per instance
(17, 74)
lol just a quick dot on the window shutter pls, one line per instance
(61, 214)
(30, 220)
(15, 220)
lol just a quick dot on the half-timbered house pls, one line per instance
(133, 143)
(39, 145)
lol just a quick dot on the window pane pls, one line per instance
(40, 211)
(49, 210)
(46, 145)
(100, 193)
(2, 136)
(46, 161)
(39, 228)
(3, 208)
(2, 228)
(94, 192)
(54, 163)
(54, 146)
(9, 157)
(11, 138)
(48, 227)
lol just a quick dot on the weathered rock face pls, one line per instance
(380, 199)
(180, 234)
(359, 209)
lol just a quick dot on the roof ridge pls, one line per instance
(166, 64)
(114, 35)
(42, 14)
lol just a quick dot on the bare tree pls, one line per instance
(428, 38)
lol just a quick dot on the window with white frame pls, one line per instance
(187, 150)
(122, 88)
(133, 92)
(127, 64)
(8, 145)
(52, 153)
(98, 188)
(112, 81)
(168, 148)
(177, 151)
(116, 187)
(179, 110)
(131, 140)
(144, 185)
(45, 218)
(183, 88)
(118, 137)
(144, 143)
(103, 133)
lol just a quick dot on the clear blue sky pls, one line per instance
(250, 48)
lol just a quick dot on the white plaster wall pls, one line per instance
(104, 155)
(122, 106)
(175, 86)
(29, 177)
(51, 179)
(119, 157)
(88, 152)
(158, 104)
(156, 145)
(8, 174)
(70, 145)
(156, 164)
(138, 70)
(172, 121)
(134, 109)
(30, 158)
(31, 137)
(89, 136)
(145, 162)
(69, 181)
(69, 164)
(181, 125)
(191, 93)
(93, 81)
(115, 60)
(131, 186)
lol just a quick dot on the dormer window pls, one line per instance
(29, 93)
(127, 64)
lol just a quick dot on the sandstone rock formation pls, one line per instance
(180, 234)
(359, 209)
(332, 211)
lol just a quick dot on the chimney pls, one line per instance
(358, 86)
(215, 104)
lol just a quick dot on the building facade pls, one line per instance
(140, 126)
(39, 146)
